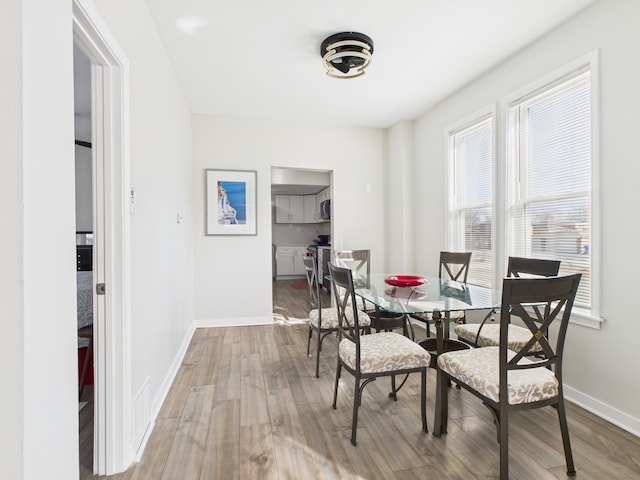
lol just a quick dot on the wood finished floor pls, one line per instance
(245, 404)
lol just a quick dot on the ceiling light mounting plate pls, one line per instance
(346, 54)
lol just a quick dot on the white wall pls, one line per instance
(38, 363)
(233, 273)
(599, 363)
(161, 174)
(12, 345)
(38, 350)
(401, 197)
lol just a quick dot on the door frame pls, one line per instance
(113, 447)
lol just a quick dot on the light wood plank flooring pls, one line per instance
(245, 404)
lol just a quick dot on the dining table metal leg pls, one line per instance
(442, 390)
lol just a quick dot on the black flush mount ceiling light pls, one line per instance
(346, 54)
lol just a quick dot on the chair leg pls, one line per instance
(503, 427)
(318, 348)
(357, 393)
(423, 401)
(564, 430)
(335, 390)
(394, 391)
(309, 339)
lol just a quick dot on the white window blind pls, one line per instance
(549, 177)
(470, 196)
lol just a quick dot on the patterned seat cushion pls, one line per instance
(384, 352)
(490, 335)
(330, 318)
(479, 368)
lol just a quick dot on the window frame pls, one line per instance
(489, 112)
(590, 318)
(500, 117)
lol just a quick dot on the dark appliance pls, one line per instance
(323, 239)
(325, 210)
(84, 258)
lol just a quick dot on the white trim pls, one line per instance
(592, 318)
(113, 449)
(234, 322)
(604, 411)
(163, 391)
(585, 318)
(488, 111)
(587, 59)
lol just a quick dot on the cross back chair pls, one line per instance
(456, 266)
(453, 266)
(359, 262)
(323, 321)
(488, 334)
(507, 380)
(368, 357)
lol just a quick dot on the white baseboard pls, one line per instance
(164, 389)
(607, 412)
(177, 361)
(234, 322)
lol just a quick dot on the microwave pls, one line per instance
(325, 210)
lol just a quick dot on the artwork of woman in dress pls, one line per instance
(232, 203)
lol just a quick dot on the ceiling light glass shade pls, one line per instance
(346, 54)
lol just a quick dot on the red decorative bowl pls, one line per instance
(405, 280)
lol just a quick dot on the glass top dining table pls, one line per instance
(435, 296)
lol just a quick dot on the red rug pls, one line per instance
(299, 286)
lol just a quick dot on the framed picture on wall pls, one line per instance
(230, 202)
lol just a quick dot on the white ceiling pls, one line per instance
(261, 59)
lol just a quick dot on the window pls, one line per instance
(471, 195)
(549, 158)
(536, 196)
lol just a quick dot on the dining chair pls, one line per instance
(485, 334)
(359, 262)
(322, 320)
(508, 380)
(453, 267)
(368, 357)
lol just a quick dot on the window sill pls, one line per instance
(586, 319)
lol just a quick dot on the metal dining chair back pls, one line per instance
(368, 357)
(455, 265)
(322, 320)
(487, 333)
(507, 379)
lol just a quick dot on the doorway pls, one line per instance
(300, 226)
(112, 447)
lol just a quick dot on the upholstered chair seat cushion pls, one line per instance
(479, 368)
(330, 318)
(490, 335)
(384, 352)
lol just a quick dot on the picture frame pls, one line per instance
(230, 197)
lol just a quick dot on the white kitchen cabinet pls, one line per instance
(289, 261)
(324, 195)
(284, 260)
(298, 263)
(289, 209)
(311, 210)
